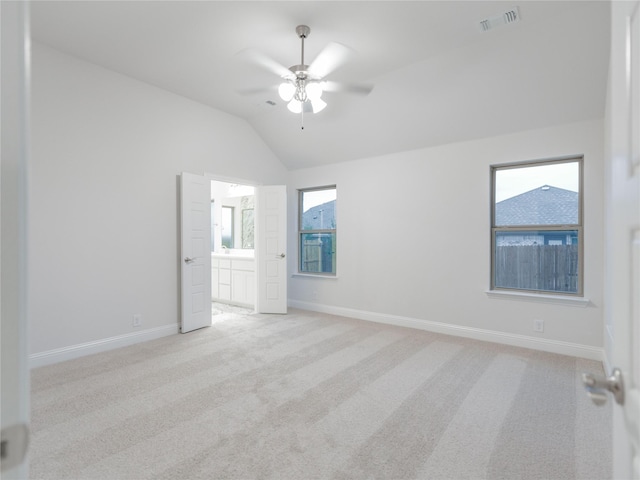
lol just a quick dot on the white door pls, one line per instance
(271, 249)
(195, 249)
(623, 208)
(14, 378)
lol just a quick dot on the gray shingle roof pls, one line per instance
(320, 217)
(544, 205)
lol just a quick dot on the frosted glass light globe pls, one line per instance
(294, 106)
(318, 105)
(286, 91)
(314, 91)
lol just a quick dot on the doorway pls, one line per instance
(233, 280)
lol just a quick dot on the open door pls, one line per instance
(195, 251)
(14, 152)
(623, 241)
(271, 249)
(625, 210)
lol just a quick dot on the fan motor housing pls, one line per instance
(303, 31)
(300, 71)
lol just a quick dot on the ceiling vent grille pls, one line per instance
(510, 16)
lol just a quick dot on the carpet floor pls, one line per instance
(314, 396)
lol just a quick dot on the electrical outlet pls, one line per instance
(137, 320)
(538, 325)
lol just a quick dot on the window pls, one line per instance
(227, 227)
(317, 230)
(536, 234)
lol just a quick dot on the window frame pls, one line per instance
(301, 231)
(232, 215)
(579, 227)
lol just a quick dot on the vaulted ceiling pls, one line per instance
(438, 78)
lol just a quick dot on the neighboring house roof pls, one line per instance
(545, 205)
(320, 217)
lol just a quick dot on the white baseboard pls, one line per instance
(545, 345)
(75, 351)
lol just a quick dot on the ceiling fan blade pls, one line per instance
(357, 88)
(257, 57)
(331, 57)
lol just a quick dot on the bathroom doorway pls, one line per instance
(233, 280)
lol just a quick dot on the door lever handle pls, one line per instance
(597, 386)
(189, 260)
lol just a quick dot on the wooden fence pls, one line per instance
(311, 255)
(317, 253)
(552, 268)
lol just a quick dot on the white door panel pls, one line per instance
(14, 378)
(623, 253)
(195, 252)
(271, 248)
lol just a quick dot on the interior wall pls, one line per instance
(413, 238)
(107, 151)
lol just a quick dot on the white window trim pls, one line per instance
(573, 301)
(315, 275)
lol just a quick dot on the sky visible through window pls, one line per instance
(318, 197)
(514, 181)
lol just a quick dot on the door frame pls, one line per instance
(249, 183)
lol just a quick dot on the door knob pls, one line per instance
(282, 255)
(597, 386)
(189, 260)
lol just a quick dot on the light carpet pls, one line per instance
(314, 396)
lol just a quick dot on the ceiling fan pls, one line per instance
(303, 85)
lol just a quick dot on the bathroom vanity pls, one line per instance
(233, 279)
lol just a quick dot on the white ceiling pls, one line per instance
(438, 79)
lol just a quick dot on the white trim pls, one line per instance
(540, 298)
(75, 351)
(311, 275)
(545, 345)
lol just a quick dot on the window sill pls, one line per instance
(311, 275)
(540, 298)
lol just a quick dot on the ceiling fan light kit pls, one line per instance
(301, 90)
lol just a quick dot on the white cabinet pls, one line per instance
(215, 290)
(224, 280)
(233, 280)
(242, 281)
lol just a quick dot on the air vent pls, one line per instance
(510, 16)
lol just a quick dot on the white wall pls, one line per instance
(414, 241)
(107, 151)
